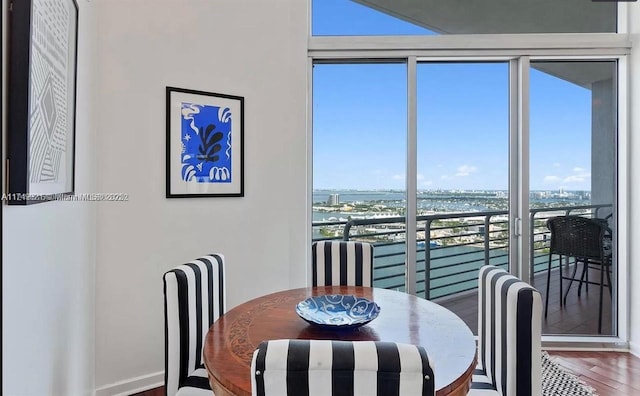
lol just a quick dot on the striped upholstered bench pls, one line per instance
(509, 336)
(341, 263)
(334, 368)
(194, 297)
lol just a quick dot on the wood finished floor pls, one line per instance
(609, 373)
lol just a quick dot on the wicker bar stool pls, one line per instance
(588, 241)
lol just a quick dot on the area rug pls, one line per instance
(556, 381)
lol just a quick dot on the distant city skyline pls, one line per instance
(360, 120)
(560, 190)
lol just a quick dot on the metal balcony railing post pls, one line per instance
(487, 237)
(427, 259)
(347, 229)
(532, 217)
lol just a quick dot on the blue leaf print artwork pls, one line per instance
(206, 143)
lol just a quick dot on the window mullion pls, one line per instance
(411, 180)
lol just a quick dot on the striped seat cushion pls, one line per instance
(326, 367)
(509, 333)
(481, 385)
(194, 298)
(197, 384)
(339, 263)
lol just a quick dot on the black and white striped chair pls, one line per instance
(194, 297)
(334, 368)
(509, 336)
(340, 263)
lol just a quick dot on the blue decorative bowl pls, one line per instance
(337, 311)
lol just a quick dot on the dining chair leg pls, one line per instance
(585, 272)
(546, 299)
(587, 278)
(608, 267)
(560, 274)
(575, 269)
(600, 306)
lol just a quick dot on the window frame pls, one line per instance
(519, 49)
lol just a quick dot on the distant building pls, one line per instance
(334, 199)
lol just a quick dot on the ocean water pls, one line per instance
(434, 201)
(428, 201)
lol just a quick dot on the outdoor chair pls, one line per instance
(194, 297)
(509, 336)
(340, 263)
(340, 368)
(588, 241)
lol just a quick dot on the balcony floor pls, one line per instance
(578, 317)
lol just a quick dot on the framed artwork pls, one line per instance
(204, 144)
(43, 39)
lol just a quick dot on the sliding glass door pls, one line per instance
(573, 155)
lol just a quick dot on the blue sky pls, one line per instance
(360, 119)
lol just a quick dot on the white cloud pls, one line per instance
(466, 170)
(556, 164)
(577, 178)
(551, 179)
(402, 176)
(426, 183)
(573, 179)
(580, 175)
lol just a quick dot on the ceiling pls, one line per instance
(502, 16)
(513, 16)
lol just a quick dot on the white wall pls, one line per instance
(250, 48)
(634, 179)
(48, 273)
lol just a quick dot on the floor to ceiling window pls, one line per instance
(572, 148)
(496, 141)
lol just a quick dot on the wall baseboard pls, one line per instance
(132, 385)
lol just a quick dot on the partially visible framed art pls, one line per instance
(42, 100)
(204, 144)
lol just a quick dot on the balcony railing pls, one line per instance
(450, 247)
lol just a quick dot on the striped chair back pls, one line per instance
(509, 333)
(340, 263)
(340, 368)
(194, 297)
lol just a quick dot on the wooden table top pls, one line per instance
(231, 340)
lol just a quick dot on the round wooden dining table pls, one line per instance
(405, 318)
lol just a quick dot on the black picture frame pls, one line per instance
(205, 144)
(41, 122)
